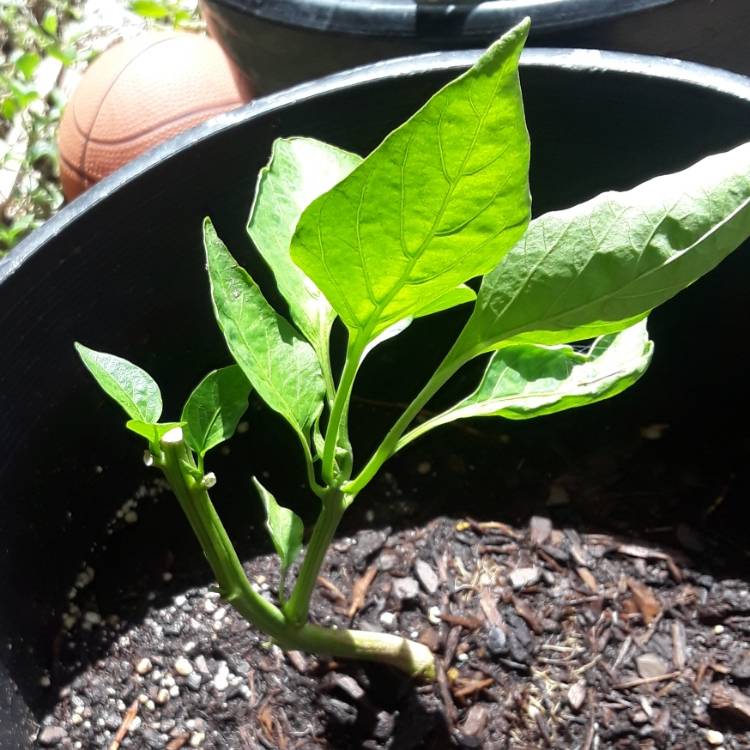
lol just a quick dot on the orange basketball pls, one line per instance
(137, 94)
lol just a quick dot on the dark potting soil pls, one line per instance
(587, 597)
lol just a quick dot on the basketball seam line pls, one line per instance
(82, 163)
(101, 141)
(81, 172)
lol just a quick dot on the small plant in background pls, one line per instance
(39, 45)
(180, 15)
(377, 242)
(33, 54)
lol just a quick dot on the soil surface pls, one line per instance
(604, 605)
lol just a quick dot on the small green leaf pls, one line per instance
(132, 388)
(440, 201)
(284, 526)
(152, 432)
(277, 361)
(214, 408)
(529, 380)
(49, 22)
(27, 63)
(149, 9)
(601, 265)
(300, 170)
(65, 54)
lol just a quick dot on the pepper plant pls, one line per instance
(376, 242)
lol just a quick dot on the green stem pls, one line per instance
(334, 503)
(175, 461)
(415, 659)
(390, 444)
(325, 365)
(340, 402)
(310, 467)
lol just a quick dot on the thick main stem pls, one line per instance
(413, 658)
(334, 503)
(176, 461)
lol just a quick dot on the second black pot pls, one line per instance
(279, 43)
(122, 269)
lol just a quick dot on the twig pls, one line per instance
(127, 720)
(445, 693)
(587, 666)
(647, 680)
(335, 592)
(470, 623)
(472, 686)
(359, 590)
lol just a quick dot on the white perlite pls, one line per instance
(144, 666)
(221, 680)
(183, 667)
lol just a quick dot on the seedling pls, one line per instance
(380, 241)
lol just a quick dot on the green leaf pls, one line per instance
(66, 54)
(300, 170)
(440, 201)
(214, 408)
(452, 298)
(458, 296)
(132, 388)
(529, 380)
(49, 22)
(277, 361)
(149, 9)
(27, 63)
(284, 526)
(152, 432)
(604, 264)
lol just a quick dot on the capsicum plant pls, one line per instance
(375, 242)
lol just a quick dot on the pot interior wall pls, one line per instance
(127, 275)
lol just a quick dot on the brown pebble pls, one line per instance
(577, 695)
(651, 665)
(731, 702)
(476, 720)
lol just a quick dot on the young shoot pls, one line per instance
(376, 242)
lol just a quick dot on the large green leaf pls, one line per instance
(460, 295)
(284, 526)
(603, 264)
(277, 361)
(440, 201)
(130, 386)
(300, 170)
(214, 408)
(528, 380)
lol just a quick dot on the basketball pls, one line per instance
(137, 94)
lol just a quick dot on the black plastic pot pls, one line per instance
(122, 269)
(282, 42)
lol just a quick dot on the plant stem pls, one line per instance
(447, 368)
(176, 461)
(340, 402)
(413, 658)
(334, 503)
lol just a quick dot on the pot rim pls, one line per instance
(462, 18)
(582, 60)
